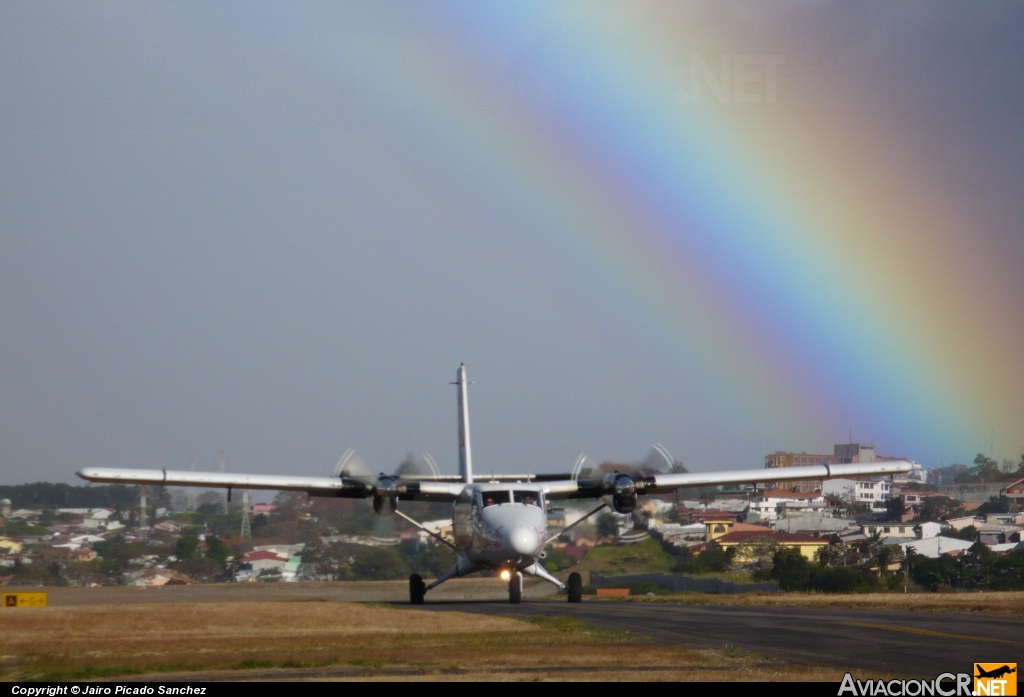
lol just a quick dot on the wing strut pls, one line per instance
(570, 527)
(433, 534)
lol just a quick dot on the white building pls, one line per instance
(890, 530)
(681, 535)
(282, 550)
(94, 513)
(919, 531)
(874, 492)
(769, 504)
(934, 547)
(918, 474)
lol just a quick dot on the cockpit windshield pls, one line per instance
(491, 498)
(530, 498)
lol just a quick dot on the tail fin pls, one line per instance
(465, 450)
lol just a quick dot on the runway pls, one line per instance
(920, 644)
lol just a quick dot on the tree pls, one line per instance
(757, 552)
(607, 525)
(985, 469)
(939, 508)
(791, 569)
(557, 560)
(216, 549)
(894, 508)
(116, 555)
(438, 559)
(379, 564)
(711, 560)
(995, 504)
(1006, 572)
(836, 554)
(970, 533)
(932, 574)
(974, 566)
(858, 508)
(186, 547)
(68, 496)
(888, 555)
(200, 568)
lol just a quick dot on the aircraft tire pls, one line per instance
(417, 589)
(515, 589)
(575, 587)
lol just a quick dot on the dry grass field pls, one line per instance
(294, 640)
(1002, 604)
(333, 631)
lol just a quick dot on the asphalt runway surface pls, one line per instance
(922, 644)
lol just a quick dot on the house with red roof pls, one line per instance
(264, 559)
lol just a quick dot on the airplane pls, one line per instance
(499, 522)
(995, 673)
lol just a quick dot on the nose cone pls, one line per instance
(524, 540)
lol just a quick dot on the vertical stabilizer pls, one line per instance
(465, 450)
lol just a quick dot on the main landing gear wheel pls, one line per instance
(515, 588)
(575, 587)
(417, 589)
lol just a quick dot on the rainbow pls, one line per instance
(773, 253)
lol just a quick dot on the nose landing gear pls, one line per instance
(515, 588)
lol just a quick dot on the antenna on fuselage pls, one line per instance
(465, 450)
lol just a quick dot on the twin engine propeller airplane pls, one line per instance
(498, 524)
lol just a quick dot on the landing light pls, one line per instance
(505, 575)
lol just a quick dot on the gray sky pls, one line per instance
(237, 229)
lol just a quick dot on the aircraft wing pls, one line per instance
(323, 486)
(666, 483)
(340, 487)
(661, 483)
(441, 490)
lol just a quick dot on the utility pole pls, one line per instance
(143, 517)
(246, 528)
(225, 501)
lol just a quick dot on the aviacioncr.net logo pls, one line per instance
(995, 679)
(945, 685)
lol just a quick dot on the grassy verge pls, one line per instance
(1004, 604)
(289, 640)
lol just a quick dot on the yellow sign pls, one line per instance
(995, 679)
(27, 600)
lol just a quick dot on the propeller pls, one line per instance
(660, 460)
(622, 483)
(384, 487)
(351, 466)
(418, 466)
(584, 467)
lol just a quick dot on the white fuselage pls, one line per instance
(501, 525)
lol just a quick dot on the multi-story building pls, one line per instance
(1014, 491)
(769, 504)
(842, 454)
(874, 492)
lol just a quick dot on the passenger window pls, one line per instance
(530, 498)
(492, 498)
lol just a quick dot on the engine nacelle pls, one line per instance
(621, 490)
(385, 495)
